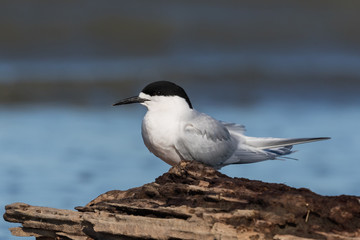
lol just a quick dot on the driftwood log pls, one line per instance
(193, 201)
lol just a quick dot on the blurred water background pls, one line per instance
(283, 69)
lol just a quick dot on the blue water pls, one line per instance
(64, 156)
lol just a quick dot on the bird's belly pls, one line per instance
(160, 142)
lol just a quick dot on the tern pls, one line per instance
(173, 131)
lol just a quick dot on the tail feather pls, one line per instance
(260, 149)
(254, 149)
(270, 143)
(280, 151)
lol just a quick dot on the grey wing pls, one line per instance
(249, 154)
(234, 128)
(206, 140)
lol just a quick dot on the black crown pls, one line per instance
(166, 88)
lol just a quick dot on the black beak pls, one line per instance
(131, 100)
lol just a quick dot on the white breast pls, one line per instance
(159, 132)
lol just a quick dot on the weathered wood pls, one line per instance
(193, 201)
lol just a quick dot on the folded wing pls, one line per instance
(206, 140)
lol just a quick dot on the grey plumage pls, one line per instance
(219, 143)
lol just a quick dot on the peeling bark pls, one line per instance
(193, 201)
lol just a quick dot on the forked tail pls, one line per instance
(253, 149)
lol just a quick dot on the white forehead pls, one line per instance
(144, 95)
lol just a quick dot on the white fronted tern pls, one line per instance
(173, 131)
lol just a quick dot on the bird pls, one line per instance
(174, 131)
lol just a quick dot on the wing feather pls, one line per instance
(206, 140)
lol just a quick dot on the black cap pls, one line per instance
(166, 88)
